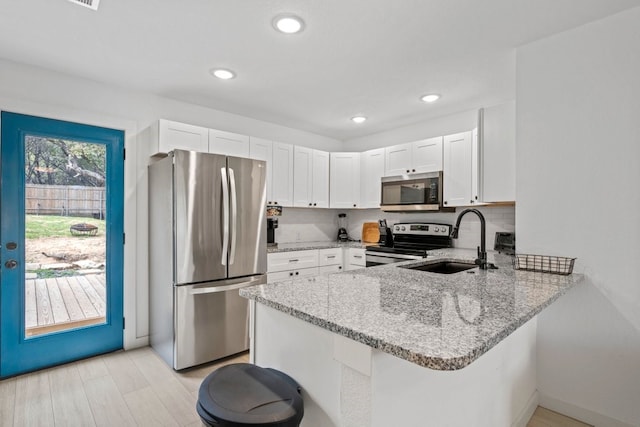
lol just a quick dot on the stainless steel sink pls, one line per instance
(444, 267)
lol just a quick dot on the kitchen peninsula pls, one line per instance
(393, 346)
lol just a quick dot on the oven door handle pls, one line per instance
(392, 255)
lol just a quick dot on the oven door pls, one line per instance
(418, 192)
(382, 258)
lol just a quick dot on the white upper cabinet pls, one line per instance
(498, 145)
(310, 178)
(282, 174)
(427, 155)
(457, 173)
(230, 144)
(302, 176)
(345, 180)
(167, 136)
(320, 182)
(371, 170)
(262, 149)
(397, 159)
(414, 157)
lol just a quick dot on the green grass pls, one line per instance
(38, 226)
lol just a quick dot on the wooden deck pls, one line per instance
(64, 302)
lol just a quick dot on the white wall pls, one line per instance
(30, 90)
(578, 168)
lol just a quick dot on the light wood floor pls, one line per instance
(133, 388)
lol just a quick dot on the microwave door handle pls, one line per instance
(225, 215)
(234, 215)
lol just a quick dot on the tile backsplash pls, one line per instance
(307, 225)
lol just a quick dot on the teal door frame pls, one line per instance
(18, 353)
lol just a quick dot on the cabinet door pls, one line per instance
(427, 155)
(397, 160)
(498, 146)
(174, 135)
(475, 168)
(262, 149)
(302, 176)
(328, 269)
(371, 170)
(457, 169)
(282, 174)
(345, 180)
(227, 143)
(320, 180)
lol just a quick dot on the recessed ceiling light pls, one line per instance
(288, 24)
(433, 97)
(222, 73)
(358, 119)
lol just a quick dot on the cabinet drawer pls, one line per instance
(356, 257)
(296, 260)
(291, 274)
(329, 269)
(332, 256)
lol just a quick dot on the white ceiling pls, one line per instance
(370, 57)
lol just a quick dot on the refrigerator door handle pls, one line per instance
(225, 215)
(234, 215)
(215, 289)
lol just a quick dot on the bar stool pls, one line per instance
(242, 394)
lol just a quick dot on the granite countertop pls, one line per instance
(306, 246)
(439, 321)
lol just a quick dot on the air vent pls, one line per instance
(91, 4)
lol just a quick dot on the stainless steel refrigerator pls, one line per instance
(207, 239)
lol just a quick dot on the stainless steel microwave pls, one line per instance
(412, 193)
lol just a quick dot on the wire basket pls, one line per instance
(544, 263)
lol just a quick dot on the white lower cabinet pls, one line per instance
(355, 259)
(292, 274)
(289, 265)
(330, 260)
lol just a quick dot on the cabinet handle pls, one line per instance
(297, 272)
(357, 256)
(314, 204)
(309, 204)
(339, 267)
(331, 256)
(275, 203)
(471, 201)
(408, 171)
(294, 260)
(291, 273)
(413, 170)
(476, 197)
(445, 202)
(354, 205)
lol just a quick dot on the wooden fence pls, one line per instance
(65, 200)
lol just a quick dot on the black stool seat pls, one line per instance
(248, 395)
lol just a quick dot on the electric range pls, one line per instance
(411, 241)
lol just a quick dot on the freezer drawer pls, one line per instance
(211, 321)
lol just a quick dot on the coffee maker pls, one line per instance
(343, 236)
(272, 224)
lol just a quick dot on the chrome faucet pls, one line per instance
(482, 249)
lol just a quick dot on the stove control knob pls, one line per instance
(403, 228)
(396, 228)
(436, 229)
